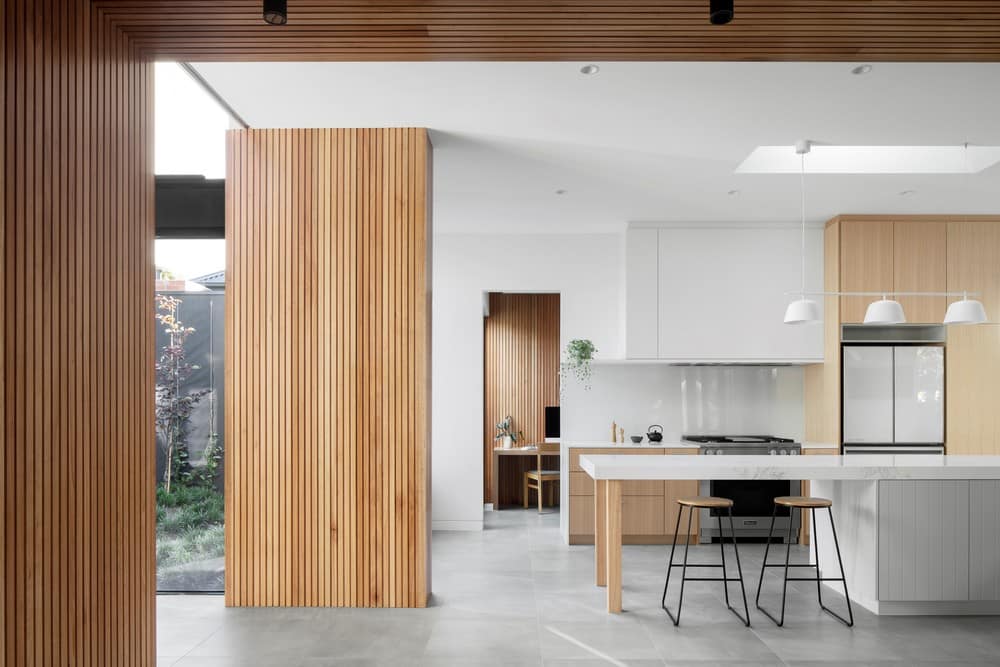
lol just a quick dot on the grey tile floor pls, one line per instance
(515, 595)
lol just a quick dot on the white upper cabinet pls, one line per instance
(720, 293)
(641, 307)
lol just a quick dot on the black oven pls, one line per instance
(753, 500)
(752, 497)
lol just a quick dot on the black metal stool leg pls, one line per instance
(767, 549)
(819, 584)
(788, 558)
(687, 547)
(843, 577)
(722, 548)
(670, 563)
(788, 555)
(739, 571)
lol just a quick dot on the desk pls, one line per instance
(887, 508)
(499, 452)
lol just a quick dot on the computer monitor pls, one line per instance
(551, 422)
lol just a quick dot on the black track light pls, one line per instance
(276, 12)
(720, 12)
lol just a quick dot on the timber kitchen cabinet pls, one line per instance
(649, 508)
(922, 253)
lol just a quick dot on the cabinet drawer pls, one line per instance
(581, 515)
(642, 488)
(576, 452)
(642, 515)
(581, 484)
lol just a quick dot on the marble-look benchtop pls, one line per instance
(871, 467)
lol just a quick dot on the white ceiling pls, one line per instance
(641, 141)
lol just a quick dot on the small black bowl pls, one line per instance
(636, 439)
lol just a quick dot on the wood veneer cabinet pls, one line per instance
(649, 508)
(974, 261)
(866, 264)
(972, 376)
(919, 254)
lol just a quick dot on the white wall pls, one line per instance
(585, 269)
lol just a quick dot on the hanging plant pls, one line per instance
(576, 361)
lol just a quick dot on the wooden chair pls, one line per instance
(539, 477)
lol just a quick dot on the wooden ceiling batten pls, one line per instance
(540, 30)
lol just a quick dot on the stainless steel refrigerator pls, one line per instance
(893, 399)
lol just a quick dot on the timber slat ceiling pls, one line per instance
(829, 30)
(327, 367)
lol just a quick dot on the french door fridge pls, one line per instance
(893, 399)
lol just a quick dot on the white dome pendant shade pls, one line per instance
(885, 311)
(966, 311)
(802, 311)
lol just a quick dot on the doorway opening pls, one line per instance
(520, 400)
(189, 307)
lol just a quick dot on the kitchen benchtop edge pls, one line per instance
(836, 467)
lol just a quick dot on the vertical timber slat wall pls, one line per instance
(521, 375)
(78, 554)
(327, 368)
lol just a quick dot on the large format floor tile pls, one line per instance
(514, 595)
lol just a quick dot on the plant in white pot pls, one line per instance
(506, 433)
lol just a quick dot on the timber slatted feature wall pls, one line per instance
(78, 555)
(521, 377)
(327, 367)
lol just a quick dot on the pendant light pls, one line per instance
(885, 311)
(803, 310)
(966, 311)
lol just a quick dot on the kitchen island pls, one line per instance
(919, 533)
(650, 508)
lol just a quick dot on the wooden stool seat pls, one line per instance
(802, 502)
(705, 502)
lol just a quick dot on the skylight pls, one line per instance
(872, 160)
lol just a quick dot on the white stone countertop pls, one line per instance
(630, 445)
(672, 445)
(850, 467)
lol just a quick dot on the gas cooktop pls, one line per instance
(744, 444)
(735, 439)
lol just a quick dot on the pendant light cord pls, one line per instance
(802, 188)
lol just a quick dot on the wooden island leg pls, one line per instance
(600, 544)
(613, 538)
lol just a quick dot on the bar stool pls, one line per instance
(705, 502)
(800, 503)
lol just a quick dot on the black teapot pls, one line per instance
(655, 433)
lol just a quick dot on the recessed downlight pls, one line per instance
(907, 193)
(560, 191)
(861, 69)
(733, 193)
(590, 69)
